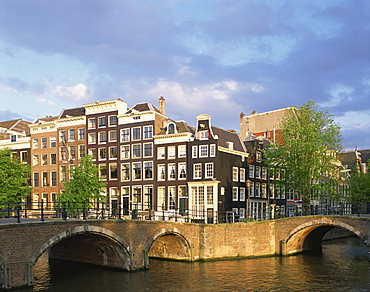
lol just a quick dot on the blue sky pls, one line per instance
(215, 57)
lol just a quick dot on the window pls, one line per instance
(53, 141)
(263, 190)
(125, 171)
(182, 170)
(44, 142)
(204, 135)
(103, 171)
(24, 156)
(102, 122)
(53, 158)
(264, 172)
(161, 171)
(258, 156)
(251, 189)
(181, 151)
(136, 150)
(210, 195)
(92, 138)
(272, 191)
(136, 168)
(113, 171)
(242, 194)
(44, 179)
(35, 143)
(102, 137)
(171, 129)
(148, 149)
(197, 171)
(171, 198)
(81, 133)
(258, 172)
(235, 174)
(171, 152)
(92, 153)
(171, 171)
(35, 159)
(113, 152)
(148, 132)
(112, 121)
(251, 171)
(242, 175)
(53, 175)
(235, 193)
(161, 152)
(136, 133)
(63, 153)
(257, 189)
(194, 151)
(203, 151)
(125, 151)
(161, 197)
(102, 153)
(44, 159)
(136, 197)
(112, 136)
(72, 152)
(13, 138)
(125, 135)
(148, 197)
(91, 123)
(148, 170)
(71, 135)
(35, 179)
(212, 150)
(209, 170)
(81, 150)
(242, 213)
(63, 173)
(62, 136)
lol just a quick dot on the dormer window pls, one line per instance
(171, 128)
(230, 145)
(203, 135)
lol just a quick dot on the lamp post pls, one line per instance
(248, 182)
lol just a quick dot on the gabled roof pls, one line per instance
(225, 136)
(45, 120)
(72, 112)
(20, 126)
(349, 158)
(145, 106)
(181, 126)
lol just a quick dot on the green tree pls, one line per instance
(85, 185)
(359, 188)
(14, 177)
(306, 153)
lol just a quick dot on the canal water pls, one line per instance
(343, 265)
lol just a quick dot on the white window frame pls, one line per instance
(235, 193)
(171, 152)
(212, 150)
(181, 151)
(194, 151)
(235, 173)
(161, 152)
(125, 135)
(242, 174)
(242, 194)
(197, 171)
(209, 170)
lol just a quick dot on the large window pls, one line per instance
(197, 172)
(203, 151)
(136, 133)
(92, 138)
(210, 195)
(125, 135)
(136, 150)
(235, 174)
(44, 159)
(161, 197)
(161, 152)
(35, 143)
(136, 197)
(102, 121)
(103, 171)
(81, 150)
(209, 170)
(113, 171)
(182, 170)
(258, 172)
(71, 135)
(148, 169)
(171, 152)
(161, 171)
(171, 171)
(181, 151)
(44, 142)
(136, 168)
(53, 178)
(72, 152)
(63, 173)
(251, 171)
(112, 136)
(35, 179)
(113, 152)
(112, 121)
(35, 159)
(53, 158)
(148, 132)
(91, 123)
(242, 194)
(235, 193)
(125, 151)
(171, 197)
(81, 133)
(257, 190)
(102, 137)
(53, 142)
(102, 153)
(242, 175)
(212, 150)
(148, 149)
(194, 151)
(125, 171)
(44, 178)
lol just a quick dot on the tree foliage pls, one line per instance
(306, 152)
(85, 184)
(14, 177)
(359, 187)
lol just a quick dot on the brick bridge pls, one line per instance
(128, 244)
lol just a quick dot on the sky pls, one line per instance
(204, 57)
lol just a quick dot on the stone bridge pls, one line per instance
(129, 244)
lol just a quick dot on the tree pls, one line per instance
(306, 153)
(359, 188)
(85, 186)
(14, 177)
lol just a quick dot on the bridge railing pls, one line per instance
(101, 210)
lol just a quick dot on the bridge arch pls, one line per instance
(309, 235)
(112, 249)
(168, 244)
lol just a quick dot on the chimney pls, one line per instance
(162, 105)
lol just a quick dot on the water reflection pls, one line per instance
(342, 266)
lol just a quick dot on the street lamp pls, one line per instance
(248, 182)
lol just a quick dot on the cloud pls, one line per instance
(77, 92)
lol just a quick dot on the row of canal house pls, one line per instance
(152, 162)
